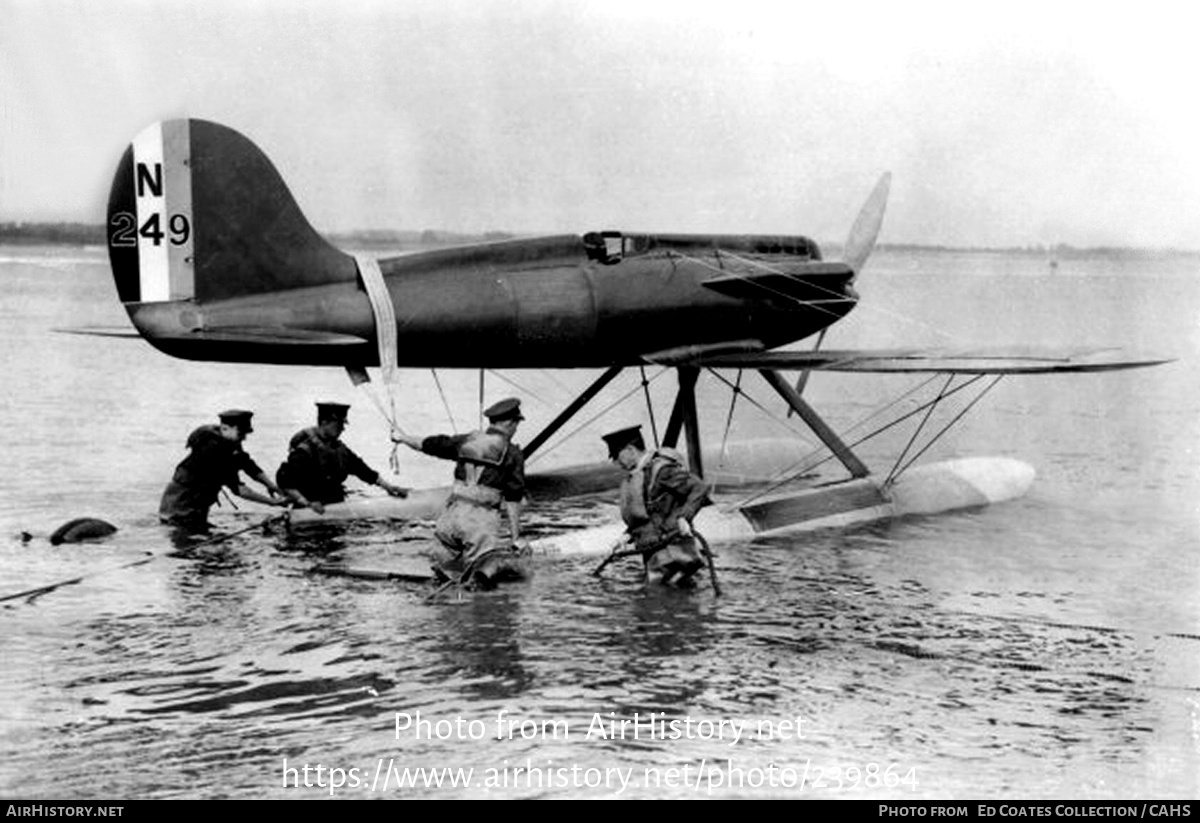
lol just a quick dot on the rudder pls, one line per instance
(198, 212)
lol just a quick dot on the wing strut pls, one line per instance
(569, 412)
(683, 416)
(802, 380)
(820, 428)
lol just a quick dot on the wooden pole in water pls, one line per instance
(708, 555)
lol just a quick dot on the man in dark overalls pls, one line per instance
(215, 460)
(318, 463)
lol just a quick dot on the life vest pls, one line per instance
(481, 450)
(637, 486)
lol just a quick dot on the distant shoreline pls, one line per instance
(88, 234)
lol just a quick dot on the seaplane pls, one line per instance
(213, 260)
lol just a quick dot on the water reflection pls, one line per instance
(479, 641)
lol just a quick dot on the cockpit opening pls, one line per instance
(606, 247)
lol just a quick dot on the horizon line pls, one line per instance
(92, 234)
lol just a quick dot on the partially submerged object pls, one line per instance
(82, 530)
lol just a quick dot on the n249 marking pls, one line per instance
(125, 230)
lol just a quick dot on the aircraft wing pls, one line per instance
(888, 361)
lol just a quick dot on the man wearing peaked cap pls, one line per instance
(489, 474)
(508, 409)
(238, 418)
(215, 460)
(621, 438)
(659, 497)
(332, 411)
(318, 462)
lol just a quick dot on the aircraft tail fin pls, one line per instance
(198, 213)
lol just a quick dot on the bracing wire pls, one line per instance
(813, 304)
(733, 397)
(561, 441)
(837, 298)
(790, 473)
(445, 402)
(896, 473)
(525, 391)
(749, 399)
(649, 406)
(919, 428)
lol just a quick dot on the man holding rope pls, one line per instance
(318, 463)
(489, 475)
(659, 497)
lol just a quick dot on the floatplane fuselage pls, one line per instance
(214, 260)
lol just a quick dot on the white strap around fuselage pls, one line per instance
(385, 314)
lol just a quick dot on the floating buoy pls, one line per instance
(82, 529)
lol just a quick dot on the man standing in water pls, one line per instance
(216, 459)
(489, 474)
(659, 497)
(318, 463)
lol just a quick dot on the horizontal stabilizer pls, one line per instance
(103, 331)
(882, 361)
(275, 335)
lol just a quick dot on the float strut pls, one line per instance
(683, 416)
(806, 412)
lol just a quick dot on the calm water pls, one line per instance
(1046, 647)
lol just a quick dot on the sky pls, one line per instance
(1010, 124)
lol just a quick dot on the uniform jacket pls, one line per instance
(213, 461)
(317, 467)
(485, 458)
